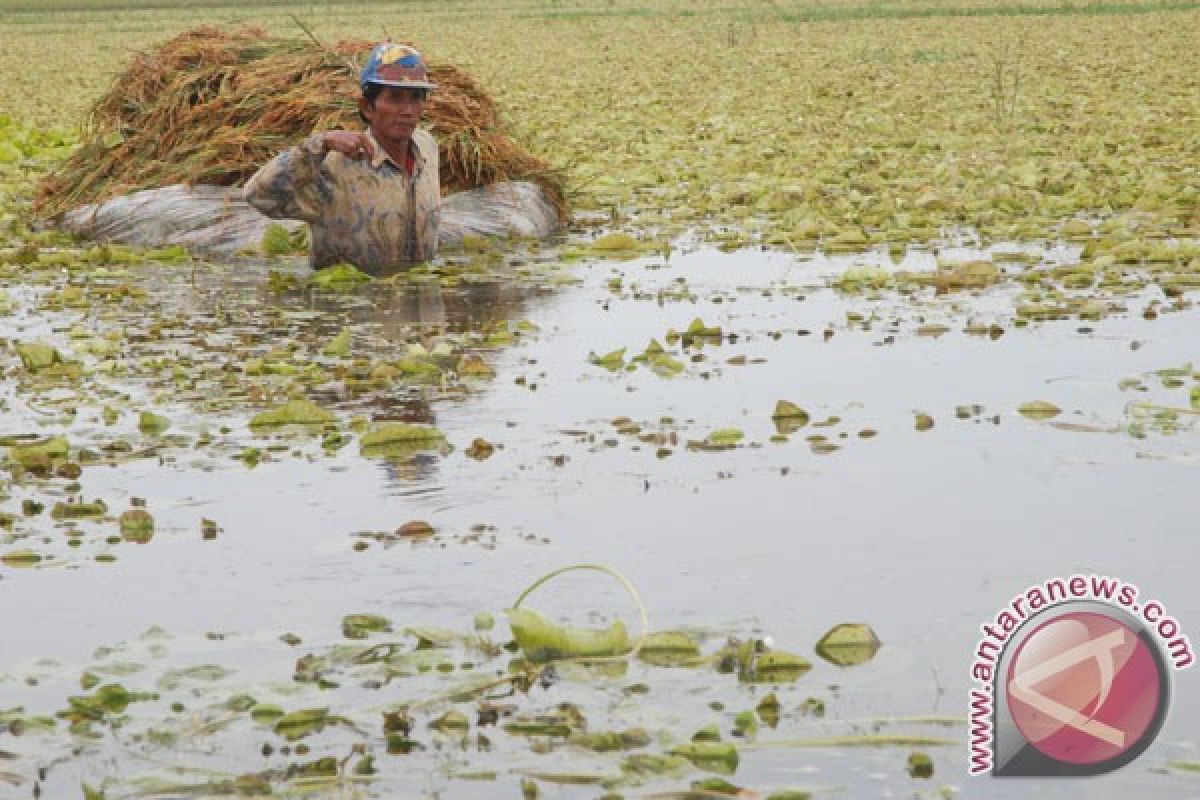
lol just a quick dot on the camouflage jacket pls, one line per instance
(367, 213)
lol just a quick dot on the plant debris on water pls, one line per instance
(784, 331)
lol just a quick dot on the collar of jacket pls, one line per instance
(382, 156)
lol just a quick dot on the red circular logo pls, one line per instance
(1084, 688)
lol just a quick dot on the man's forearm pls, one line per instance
(286, 186)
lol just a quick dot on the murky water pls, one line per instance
(922, 534)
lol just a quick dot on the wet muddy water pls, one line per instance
(924, 535)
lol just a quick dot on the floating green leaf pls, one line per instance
(293, 412)
(542, 640)
(361, 626)
(152, 424)
(849, 644)
(712, 756)
(1039, 409)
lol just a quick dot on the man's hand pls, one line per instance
(353, 144)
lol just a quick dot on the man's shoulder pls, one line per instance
(425, 141)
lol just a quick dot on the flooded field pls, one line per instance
(859, 514)
(870, 317)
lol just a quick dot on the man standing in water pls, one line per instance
(371, 198)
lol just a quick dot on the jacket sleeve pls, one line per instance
(289, 186)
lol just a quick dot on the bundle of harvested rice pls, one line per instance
(211, 106)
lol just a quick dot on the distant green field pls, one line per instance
(810, 10)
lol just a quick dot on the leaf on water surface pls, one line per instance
(276, 241)
(849, 644)
(920, 765)
(338, 346)
(294, 412)
(137, 525)
(390, 433)
(542, 640)
(265, 713)
(612, 741)
(1039, 409)
(40, 454)
(361, 626)
(96, 508)
(37, 356)
(719, 757)
(611, 361)
(298, 724)
(152, 424)
(724, 438)
(453, 722)
(923, 422)
(616, 243)
(669, 649)
(111, 698)
(20, 558)
(338, 277)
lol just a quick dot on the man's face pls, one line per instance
(394, 114)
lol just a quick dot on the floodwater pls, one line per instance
(924, 535)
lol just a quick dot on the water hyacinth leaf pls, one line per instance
(298, 724)
(611, 361)
(152, 424)
(920, 765)
(607, 742)
(275, 240)
(745, 723)
(1039, 409)
(639, 766)
(339, 277)
(712, 787)
(293, 412)
(922, 422)
(36, 356)
(265, 713)
(401, 433)
(137, 525)
(80, 510)
(20, 558)
(338, 346)
(720, 757)
(40, 455)
(616, 244)
(111, 698)
(709, 733)
(724, 437)
(669, 649)
(453, 721)
(776, 666)
(788, 417)
(541, 640)
(361, 626)
(849, 644)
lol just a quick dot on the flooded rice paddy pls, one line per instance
(282, 626)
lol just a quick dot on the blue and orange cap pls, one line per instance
(393, 64)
